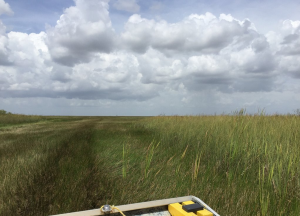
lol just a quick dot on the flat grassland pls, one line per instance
(239, 164)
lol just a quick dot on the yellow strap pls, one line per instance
(112, 208)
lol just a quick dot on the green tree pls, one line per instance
(3, 112)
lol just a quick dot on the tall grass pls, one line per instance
(13, 119)
(246, 159)
(239, 164)
(9, 119)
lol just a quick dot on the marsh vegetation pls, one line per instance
(238, 164)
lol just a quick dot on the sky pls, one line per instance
(145, 58)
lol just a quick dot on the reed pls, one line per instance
(238, 164)
(254, 153)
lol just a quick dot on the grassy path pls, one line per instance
(45, 167)
(57, 167)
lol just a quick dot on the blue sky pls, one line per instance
(135, 57)
(32, 15)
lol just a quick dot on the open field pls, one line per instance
(239, 165)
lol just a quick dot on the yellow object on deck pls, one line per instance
(187, 203)
(204, 212)
(175, 209)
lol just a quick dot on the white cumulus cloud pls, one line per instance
(5, 8)
(81, 31)
(200, 61)
(196, 33)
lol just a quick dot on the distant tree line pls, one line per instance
(3, 112)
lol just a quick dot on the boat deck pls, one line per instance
(150, 208)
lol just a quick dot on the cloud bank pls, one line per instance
(82, 57)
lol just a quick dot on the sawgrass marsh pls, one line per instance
(237, 164)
